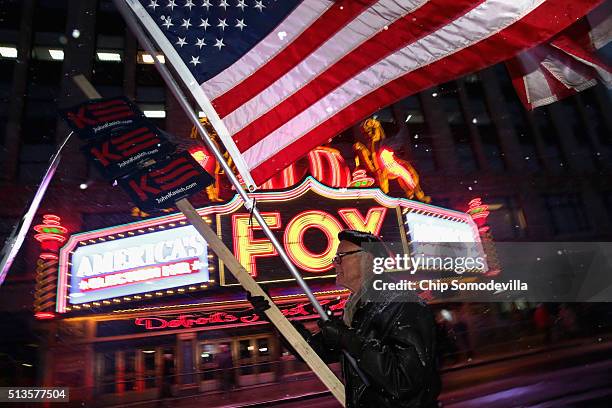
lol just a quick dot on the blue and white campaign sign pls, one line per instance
(121, 267)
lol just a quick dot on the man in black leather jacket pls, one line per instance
(391, 337)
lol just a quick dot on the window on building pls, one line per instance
(552, 148)
(107, 364)
(486, 129)
(8, 56)
(108, 64)
(7, 66)
(39, 124)
(491, 146)
(129, 370)
(607, 198)
(518, 119)
(50, 17)
(108, 20)
(506, 218)
(10, 14)
(246, 353)
(149, 368)
(449, 97)
(566, 212)
(522, 129)
(584, 154)
(422, 150)
(420, 141)
(595, 116)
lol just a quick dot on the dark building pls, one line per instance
(544, 174)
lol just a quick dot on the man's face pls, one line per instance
(349, 271)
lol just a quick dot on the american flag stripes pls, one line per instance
(278, 78)
(567, 64)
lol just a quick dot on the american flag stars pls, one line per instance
(186, 23)
(240, 24)
(204, 23)
(200, 43)
(209, 34)
(219, 44)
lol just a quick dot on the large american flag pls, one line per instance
(279, 77)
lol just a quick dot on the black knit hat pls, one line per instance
(369, 242)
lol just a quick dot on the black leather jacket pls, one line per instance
(398, 357)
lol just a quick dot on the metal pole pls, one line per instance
(180, 97)
(15, 241)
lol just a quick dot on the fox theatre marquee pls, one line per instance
(165, 256)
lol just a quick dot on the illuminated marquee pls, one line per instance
(163, 256)
(136, 264)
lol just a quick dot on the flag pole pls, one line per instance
(15, 240)
(182, 99)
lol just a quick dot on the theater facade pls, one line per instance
(121, 305)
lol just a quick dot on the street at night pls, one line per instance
(321, 203)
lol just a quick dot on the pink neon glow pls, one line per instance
(388, 160)
(47, 255)
(138, 275)
(334, 172)
(49, 237)
(478, 211)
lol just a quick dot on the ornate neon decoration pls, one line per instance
(381, 163)
(361, 179)
(346, 215)
(478, 211)
(286, 178)
(371, 223)
(294, 240)
(328, 166)
(247, 248)
(386, 159)
(51, 235)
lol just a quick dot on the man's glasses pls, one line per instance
(338, 258)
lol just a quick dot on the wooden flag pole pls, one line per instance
(274, 314)
(283, 325)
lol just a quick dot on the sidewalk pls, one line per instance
(309, 386)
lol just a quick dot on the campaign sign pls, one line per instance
(121, 151)
(98, 116)
(160, 185)
(138, 264)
